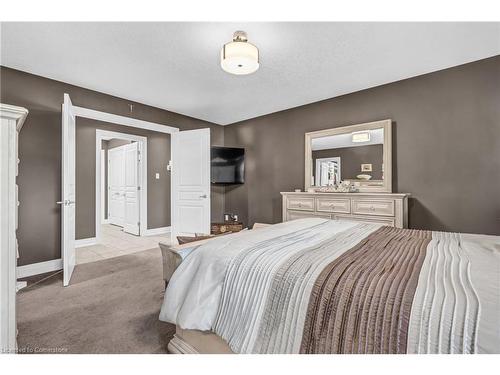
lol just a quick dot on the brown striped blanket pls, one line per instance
(361, 301)
(322, 286)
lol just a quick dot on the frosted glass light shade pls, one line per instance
(239, 57)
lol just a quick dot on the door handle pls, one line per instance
(66, 202)
(203, 196)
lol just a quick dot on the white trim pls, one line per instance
(143, 177)
(85, 242)
(38, 268)
(105, 221)
(122, 120)
(103, 185)
(20, 285)
(125, 121)
(157, 231)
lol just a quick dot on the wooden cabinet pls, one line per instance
(383, 208)
(12, 119)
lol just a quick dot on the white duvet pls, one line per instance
(194, 291)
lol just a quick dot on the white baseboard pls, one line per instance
(85, 242)
(104, 221)
(38, 268)
(20, 285)
(157, 231)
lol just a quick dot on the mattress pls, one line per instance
(329, 286)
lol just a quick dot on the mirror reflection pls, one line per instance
(355, 157)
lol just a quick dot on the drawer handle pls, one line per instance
(372, 208)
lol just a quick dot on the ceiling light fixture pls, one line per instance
(239, 57)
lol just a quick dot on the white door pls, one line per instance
(116, 187)
(68, 190)
(131, 188)
(103, 186)
(190, 182)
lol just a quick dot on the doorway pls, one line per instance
(121, 198)
(190, 180)
(125, 182)
(327, 171)
(121, 191)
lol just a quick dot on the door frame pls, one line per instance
(118, 120)
(103, 187)
(142, 142)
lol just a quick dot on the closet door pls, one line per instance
(131, 188)
(116, 188)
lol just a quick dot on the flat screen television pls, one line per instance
(227, 165)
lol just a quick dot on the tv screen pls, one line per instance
(227, 165)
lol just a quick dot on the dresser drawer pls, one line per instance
(373, 207)
(342, 206)
(368, 219)
(293, 215)
(301, 203)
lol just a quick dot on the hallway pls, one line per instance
(114, 242)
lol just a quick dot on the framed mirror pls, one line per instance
(360, 154)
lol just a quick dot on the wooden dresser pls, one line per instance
(384, 208)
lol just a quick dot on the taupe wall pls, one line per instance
(446, 147)
(351, 159)
(40, 153)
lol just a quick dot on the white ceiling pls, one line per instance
(175, 66)
(345, 140)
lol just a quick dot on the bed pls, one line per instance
(335, 286)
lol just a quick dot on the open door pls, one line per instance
(68, 190)
(190, 182)
(116, 187)
(131, 188)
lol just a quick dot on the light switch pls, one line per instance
(157, 176)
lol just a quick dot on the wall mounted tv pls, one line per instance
(227, 165)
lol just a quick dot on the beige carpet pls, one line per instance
(111, 306)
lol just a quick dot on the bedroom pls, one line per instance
(291, 199)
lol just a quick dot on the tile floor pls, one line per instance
(114, 242)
